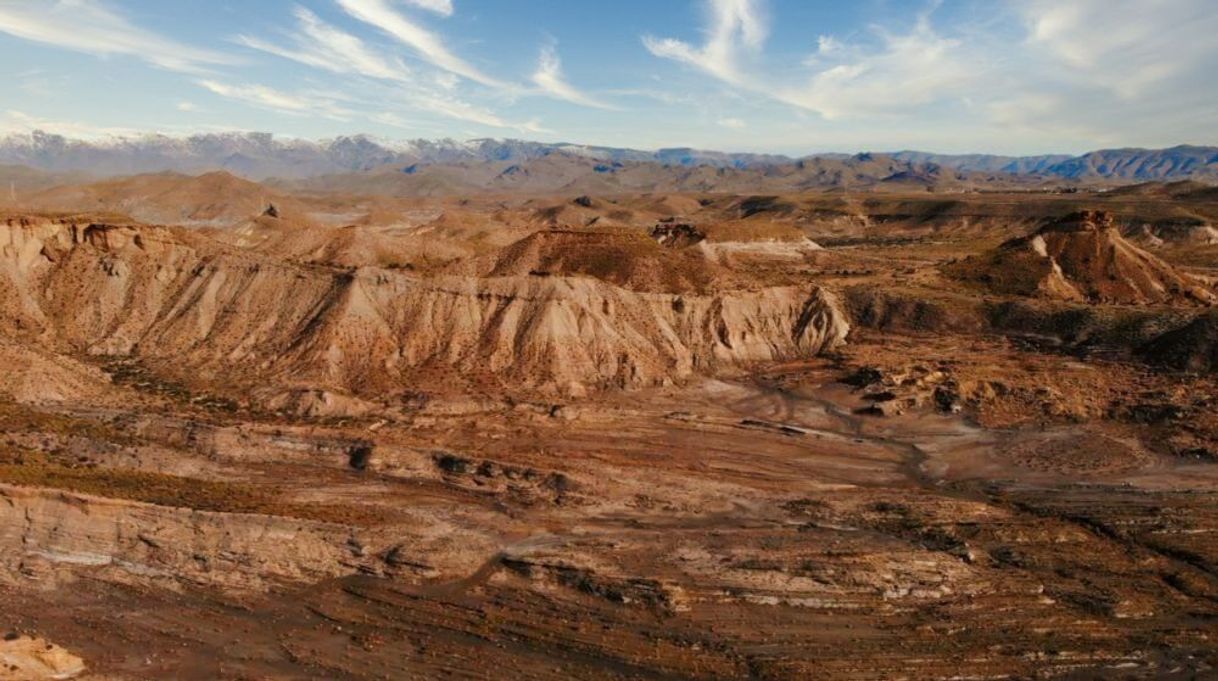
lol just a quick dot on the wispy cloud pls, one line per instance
(368, 104)
(442, 7)
(904, 71)
(89, 26)
(320, 45)
(1126, 46)
(1057, 80)
(323, 46)
(460, 110)
(285, 102)
(549, 78)
(427, 44)
(734, 27)
(12, 121)
(453, 108)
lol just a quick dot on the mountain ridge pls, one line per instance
(260, 156)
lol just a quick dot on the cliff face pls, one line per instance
(170, 294)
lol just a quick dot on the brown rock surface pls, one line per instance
(24, 658)
(1083, 257)
(165, 293)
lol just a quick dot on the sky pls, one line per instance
(783, 76)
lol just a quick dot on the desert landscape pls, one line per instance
(261, 430)
(770, 340)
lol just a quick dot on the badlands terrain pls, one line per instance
(871, 417)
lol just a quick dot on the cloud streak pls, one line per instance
(1125, 46)
(906, 71)
(549, 78)
(277, 100)
(426, 44)
(90, 27)
(735, 27)
(441, 7)
(323, 46)
(320, 45)
(12, 122)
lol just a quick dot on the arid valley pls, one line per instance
(256, 431)
(521, 340)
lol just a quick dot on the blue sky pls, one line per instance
(792, 76)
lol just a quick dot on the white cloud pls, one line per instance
(451, 108)
(549, 78)
(89, 26)
(734, 26)
(455, 108)
(186, 106)
(323, 46)
(19, 122)
(442, 7)
(369, 105)
(1126, 46)
(445, 80)
(733, 123)
(899, 72)
(906, 71)
(277, 100)
(827, 45)
(430, 46)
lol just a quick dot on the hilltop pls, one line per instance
(1082, 257)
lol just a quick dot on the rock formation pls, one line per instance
(26, 658)
(44, 533)
(1082, 257)
(170, 294)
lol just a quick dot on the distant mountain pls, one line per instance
(985, 163)
(1136, 165)
(575, 173)
(1142, 164)
(17, 180)
(262, 155)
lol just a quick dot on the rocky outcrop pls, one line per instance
(673, 234)
(169, 294)
(1179, 233)
(27, 658)
(1082, 257)
(46, 533)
